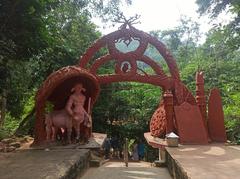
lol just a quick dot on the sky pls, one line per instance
(161, 15)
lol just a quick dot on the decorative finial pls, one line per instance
(120, 18)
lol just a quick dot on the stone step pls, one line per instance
(29, 164)
(97, 162)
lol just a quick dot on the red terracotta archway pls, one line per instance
(126, 69)
(127, 35)
(130, 73)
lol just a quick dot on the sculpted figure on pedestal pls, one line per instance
(72, 116)
(55, 120)
(75, 108)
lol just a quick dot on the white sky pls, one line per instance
(160, 15)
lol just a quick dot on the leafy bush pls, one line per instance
(9, 127)
(233, 130)
(232, 117)
(3, 133)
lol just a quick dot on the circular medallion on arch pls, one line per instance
(126, 67)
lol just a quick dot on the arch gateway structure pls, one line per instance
(178, 111)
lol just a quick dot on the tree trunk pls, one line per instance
(3, 107)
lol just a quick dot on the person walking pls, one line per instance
(135, 156)
(115, 146)
(107, 147)
(141, 150)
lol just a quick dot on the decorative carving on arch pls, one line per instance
(126, 68)
(158, 122)
(126, 63)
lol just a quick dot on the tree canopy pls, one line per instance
(231, 30)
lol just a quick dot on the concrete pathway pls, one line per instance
(135, 170)
(215, 161)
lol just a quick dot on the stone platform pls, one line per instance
(48, 164)
(215, 161)
(49, 161)
(95, 142)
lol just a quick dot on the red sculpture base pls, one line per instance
(190, 125)
(216, 117)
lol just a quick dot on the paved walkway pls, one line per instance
(135, 170)
(215, 161)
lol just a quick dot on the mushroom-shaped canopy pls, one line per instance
(57, 88)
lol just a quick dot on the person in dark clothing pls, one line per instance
(115, 146)
(107, 147)
(141, 150)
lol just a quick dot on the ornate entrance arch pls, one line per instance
(126, 64)
(126, 69)
(174, 109)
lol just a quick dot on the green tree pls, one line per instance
(38, 37)
(231, 7)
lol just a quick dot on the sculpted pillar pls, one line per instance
(168, 106)
(216, 126)
(200, 96)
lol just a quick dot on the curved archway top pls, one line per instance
(126, 64)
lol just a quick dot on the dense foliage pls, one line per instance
(38, 37)
(215, 9)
